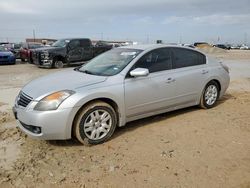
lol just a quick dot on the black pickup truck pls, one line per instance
(67, 51)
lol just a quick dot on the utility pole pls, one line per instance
(34, 35)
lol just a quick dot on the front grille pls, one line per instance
(23, 99)
(3, 57)
(36, 57)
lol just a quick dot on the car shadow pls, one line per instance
(64, 143)
(224, 98)
(168, 115)
(131, 126)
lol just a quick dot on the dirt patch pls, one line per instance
(190, 147)
(5, 116)
(206, 48)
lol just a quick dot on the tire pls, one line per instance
(58, 64)
(210, 95)
(88, 123)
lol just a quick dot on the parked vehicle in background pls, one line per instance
(235, 47)
(196, 44)
(2, 43)
(14, 48)
(189, 45)
(26, 48)
(6, 56)
(101, 46)
(223, 46)
(244, 47)
(116, 87)
(67, 51)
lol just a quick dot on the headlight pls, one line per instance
(53, 101)
(45, 55)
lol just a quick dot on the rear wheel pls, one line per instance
(95, 123)
(210, 95)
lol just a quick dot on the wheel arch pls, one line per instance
(60, 58)
(109, 101)
(217, 81)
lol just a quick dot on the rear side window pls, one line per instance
(187, 58)
(156, 60)
(85, 43)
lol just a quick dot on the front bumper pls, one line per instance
(43, 63)
(8, 61)
(53, 125)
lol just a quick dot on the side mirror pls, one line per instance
(139, 72)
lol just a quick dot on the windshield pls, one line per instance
(2, 49)
(60, 43)
(111, 62)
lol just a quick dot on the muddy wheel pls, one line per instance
(210, 95)
(95, 123)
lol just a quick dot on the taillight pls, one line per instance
(226, 68)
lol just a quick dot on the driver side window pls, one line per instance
(156, 60)
(74, 44)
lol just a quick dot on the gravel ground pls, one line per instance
(185, 148)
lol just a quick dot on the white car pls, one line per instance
(119, 86)
(244, 47)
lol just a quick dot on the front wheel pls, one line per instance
(95, 123)
(57, 64)
(210, 95)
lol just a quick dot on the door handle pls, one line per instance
(169, 80)
(204, 71)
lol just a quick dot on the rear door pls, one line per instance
(153, 92)
(74, 51)
(191, 72)
(87, 51)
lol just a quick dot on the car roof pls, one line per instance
(145, 47)
(74, 39)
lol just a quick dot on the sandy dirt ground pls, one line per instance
(191, 147)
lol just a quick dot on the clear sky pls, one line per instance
(172, 21)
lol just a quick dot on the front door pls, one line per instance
(153, 92)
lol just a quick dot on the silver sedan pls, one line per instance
(119, 86)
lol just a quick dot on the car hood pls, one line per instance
(6, 53)
(63, 80)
